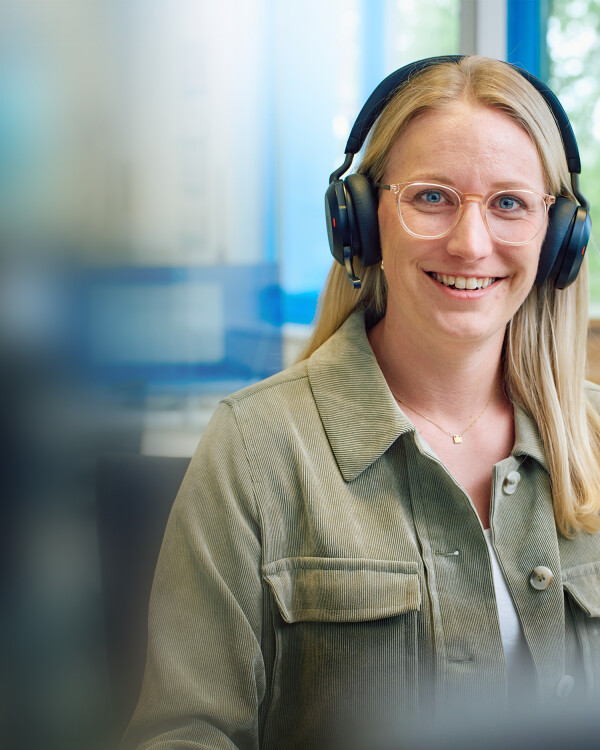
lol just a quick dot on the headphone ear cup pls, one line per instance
(574, 251)
(336, 214)
(362, 215)
(558, 233)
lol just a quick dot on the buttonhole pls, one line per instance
(449, 554)
(461, 661)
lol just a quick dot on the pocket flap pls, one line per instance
(583, 584)
(342, 589)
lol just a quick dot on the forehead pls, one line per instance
(468, 146)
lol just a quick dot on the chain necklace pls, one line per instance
(456, 438)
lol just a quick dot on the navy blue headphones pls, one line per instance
(351, 203)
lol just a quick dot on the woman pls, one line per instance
(402, 525)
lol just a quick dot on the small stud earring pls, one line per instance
(382, 266)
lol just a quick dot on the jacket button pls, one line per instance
(565, 685)
(511, 482)
(541, 577)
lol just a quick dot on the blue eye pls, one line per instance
(429, 198)
(510, 203)
(507, 202)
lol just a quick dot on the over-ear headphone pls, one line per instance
(351, 203)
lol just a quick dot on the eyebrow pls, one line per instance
(517, 184)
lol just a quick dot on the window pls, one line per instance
(573, 41)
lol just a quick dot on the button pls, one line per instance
(541, 577)
(565, 686)
(511, 482)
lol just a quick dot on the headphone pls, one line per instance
(351, 203)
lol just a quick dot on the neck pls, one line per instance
(447, 380)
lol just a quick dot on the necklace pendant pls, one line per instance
(457, 439)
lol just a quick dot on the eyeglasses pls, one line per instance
(430, 211)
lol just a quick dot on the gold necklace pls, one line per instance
(456, 439)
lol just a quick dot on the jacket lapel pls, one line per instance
(356, 407)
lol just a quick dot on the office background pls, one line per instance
(175, 155)
(162, 171)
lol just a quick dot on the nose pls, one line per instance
(470, 238)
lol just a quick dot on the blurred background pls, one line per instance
(162, 242)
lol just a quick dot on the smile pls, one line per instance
(463, 282)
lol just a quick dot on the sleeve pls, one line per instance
(205, 677)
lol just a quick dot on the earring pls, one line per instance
(382, 266)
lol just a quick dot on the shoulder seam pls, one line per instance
(257, 508)
(259, 387)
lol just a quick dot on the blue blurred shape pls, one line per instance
(527, 22)
(172, 326)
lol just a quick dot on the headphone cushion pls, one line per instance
(338, 231)
(364, 224)
(560, 219)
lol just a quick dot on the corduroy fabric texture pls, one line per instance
(324, 581)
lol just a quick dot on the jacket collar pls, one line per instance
(359, 413)
(528, 441)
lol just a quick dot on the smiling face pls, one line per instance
(465, 286)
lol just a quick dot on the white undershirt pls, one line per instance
(513, 639)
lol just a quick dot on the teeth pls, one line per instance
(462, 282)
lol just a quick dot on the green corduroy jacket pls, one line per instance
(325, 581)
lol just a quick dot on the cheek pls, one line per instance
(526, 276)
(533, 260)
(386, 226)
(389, 237)
(525, 261)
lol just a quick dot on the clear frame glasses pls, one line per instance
(430, 211)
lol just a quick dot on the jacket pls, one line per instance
(323, 578)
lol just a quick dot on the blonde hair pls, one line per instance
(545, 345)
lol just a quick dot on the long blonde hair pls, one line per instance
(545, 345)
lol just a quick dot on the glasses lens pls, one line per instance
(428, 210)
(515, 216)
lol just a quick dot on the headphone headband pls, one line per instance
(376, 103)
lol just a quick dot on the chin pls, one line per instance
(477, 332)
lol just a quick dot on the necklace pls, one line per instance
(456, 438)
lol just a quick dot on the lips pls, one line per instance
(463, 282)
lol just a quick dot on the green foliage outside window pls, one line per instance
(574, 52)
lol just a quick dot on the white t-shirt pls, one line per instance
(513, 639)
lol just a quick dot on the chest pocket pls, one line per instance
(315, 589)
(346, 633)
(582, 585)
